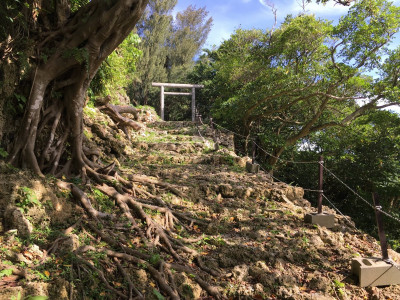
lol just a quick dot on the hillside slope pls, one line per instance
(233, 234)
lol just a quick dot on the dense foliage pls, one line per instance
(365, 156)
(118, 71)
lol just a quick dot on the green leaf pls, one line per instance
(3, 153)
(155, 259)
(158, 295)
(6, 272)
(18, 297)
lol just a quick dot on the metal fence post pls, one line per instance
(381, 232)
(320, 183)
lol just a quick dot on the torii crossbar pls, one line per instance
(178, 85)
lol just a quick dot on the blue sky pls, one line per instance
(229, 15)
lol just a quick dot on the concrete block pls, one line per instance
(374, 271)
(322, 219)
(252, 168)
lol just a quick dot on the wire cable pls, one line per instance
(266, 152)
(335, 208)
(229, 130)
(284, 160)
(363, 199)
(312, 162)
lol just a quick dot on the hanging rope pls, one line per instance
(265, 151)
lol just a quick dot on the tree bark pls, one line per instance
(78, 48)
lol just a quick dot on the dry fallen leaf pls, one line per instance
(117, 283)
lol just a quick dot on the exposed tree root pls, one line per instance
(157, 235)
(102, 277)
(115, 111)
(158, 201)
(132, 287)
(147, 180)
(150, 226)
(81, 196)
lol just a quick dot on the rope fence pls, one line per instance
(340, 213)
(310, 162)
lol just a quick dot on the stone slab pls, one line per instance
(374, 271)
(252, 168)
(322, 219)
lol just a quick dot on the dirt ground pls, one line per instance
(233, 235)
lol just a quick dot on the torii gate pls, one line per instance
(178, 85)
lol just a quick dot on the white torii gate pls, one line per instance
(178, 85)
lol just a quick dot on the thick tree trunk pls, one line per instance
(79, 47)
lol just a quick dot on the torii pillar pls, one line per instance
(178, 85)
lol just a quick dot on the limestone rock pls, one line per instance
(240, 272)
(186, 287)
(15, 219)
(316, 241)
(319, 282)
(318, 296)
(294, 192)
(70, 244)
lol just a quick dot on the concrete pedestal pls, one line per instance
(252, 168)
(322, 219)
(373, 271)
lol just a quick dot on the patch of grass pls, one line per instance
(167, 197)
(88, 134)
(90, 112)
(103, 201)
(3, 153)
(5, 272)
(155, 259)
(151, 212)
(154, 137)
(339, 287)
(212, 240)
(26, 199)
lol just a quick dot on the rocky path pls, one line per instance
(248, 229)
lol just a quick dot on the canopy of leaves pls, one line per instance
(307, 75)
